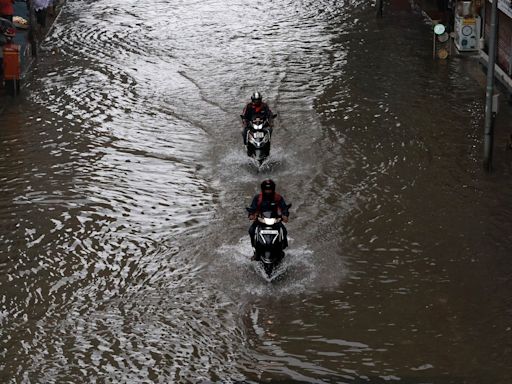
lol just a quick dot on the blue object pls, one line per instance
(21, 38)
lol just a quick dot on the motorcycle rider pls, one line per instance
(256, 108)
(268, 200)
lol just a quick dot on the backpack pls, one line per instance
(277, 200)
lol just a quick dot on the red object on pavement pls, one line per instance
(12, 62)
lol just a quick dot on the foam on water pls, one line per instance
(239, 275)
(236, 159)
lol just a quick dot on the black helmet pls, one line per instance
(256, 97)
(268, 184)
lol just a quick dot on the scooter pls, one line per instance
(269, 241)
(258, 139)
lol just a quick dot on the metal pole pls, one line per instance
(488, 139)
(434, 47)
(380, 6)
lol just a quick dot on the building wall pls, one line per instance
(504, 48)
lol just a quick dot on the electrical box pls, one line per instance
(467, 32)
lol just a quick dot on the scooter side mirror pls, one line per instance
(288, 206)
(274, 115)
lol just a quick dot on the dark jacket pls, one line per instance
(261, 204)
(263, 111)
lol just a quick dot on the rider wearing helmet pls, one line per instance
(256, 108)
(268, 200)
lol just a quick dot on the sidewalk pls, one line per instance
(429, 8)
(434, 10)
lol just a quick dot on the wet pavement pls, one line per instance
(123, 251)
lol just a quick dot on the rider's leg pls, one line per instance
(285, 236)
(252, 234)
(244, 134)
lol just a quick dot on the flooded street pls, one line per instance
(124, 254)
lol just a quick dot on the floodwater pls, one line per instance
(123, 248)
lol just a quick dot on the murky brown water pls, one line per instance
(123, 246)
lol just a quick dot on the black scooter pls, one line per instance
(258, 139)
(269, 241)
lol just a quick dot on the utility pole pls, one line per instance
(489, 112)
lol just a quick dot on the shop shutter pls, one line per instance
(504, 51)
